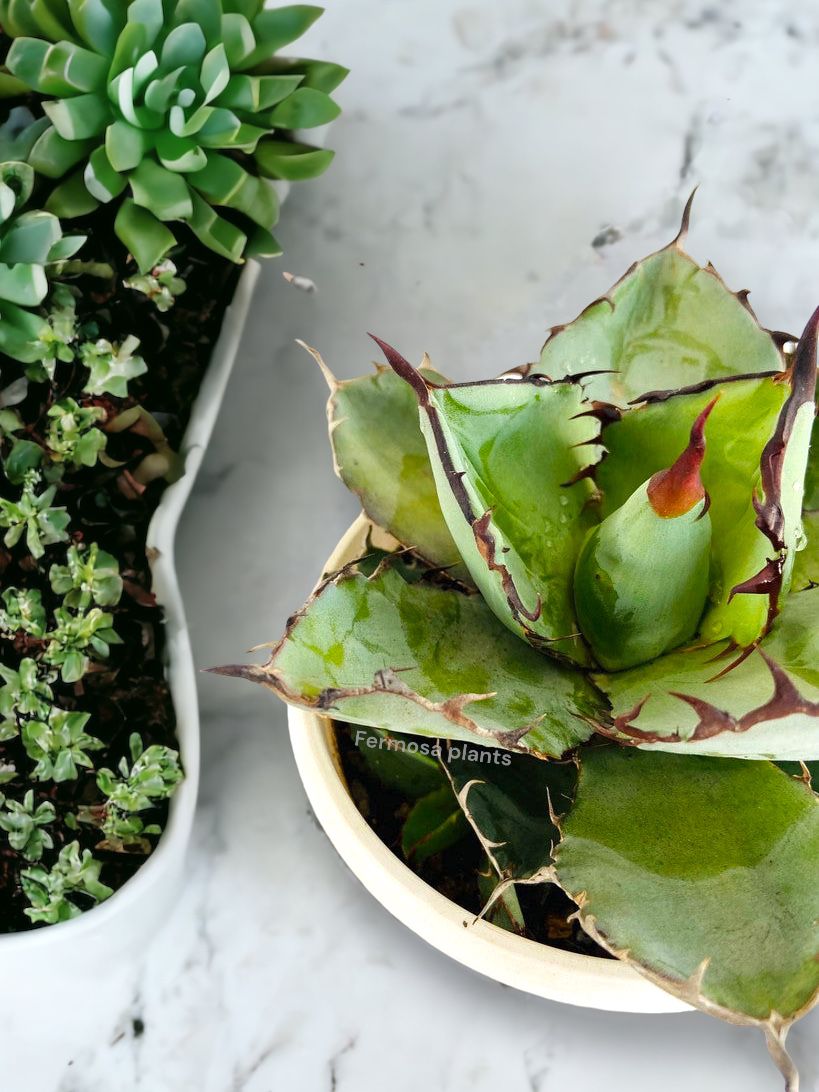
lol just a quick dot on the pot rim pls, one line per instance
(512, 960)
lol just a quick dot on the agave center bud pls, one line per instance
(641, 579)
(675, 491)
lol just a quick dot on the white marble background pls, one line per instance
(485, 146)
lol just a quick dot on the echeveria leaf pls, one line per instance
(412, 656)
(283, 159)
(511, 459)
(767, 706)
(380, 454)
(668, 323)
(701, 873)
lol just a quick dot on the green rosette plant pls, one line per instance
(178, 110)
(596, 557)
(32, 247)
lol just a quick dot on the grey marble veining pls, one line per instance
(498, 166)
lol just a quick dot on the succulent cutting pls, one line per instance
(598, 565)
(177, 111)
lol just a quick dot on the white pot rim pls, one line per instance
(512, 960)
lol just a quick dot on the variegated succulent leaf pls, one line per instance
(404, 651)
(172, 110)
(380, 455)
(701, 874)
(667, 323)
(32, 245)
(766, 706)
(512, 460)
(753, 471)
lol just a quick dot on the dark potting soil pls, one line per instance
(128, 692)
(454, 872)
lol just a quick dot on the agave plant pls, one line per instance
(32, 245)
(174, 108)
(594, 556)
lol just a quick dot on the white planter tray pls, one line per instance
(134, 912)
(534, 968)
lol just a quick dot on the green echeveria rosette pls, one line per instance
(32, 245)
(175, 110)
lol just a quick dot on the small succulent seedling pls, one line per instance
(76, 636)
(56, 340)
(52, 893)
(150, 777)
(34, 517)
(111, 367)
(23, 612)
(23, 821)
(26, 695)
(90, 576)
(160, 285)
(170, 111)
(59, 745)
(605, 548)
(72, 436)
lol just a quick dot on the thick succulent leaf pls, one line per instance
(306, 108)
(757, 442)
(294, 162)
(767, 706)
(511, 460)
(701, 873)
(411, 656)
(399, 764)
(649, 438)
(279, 27)
(510, 801)
(380, 454)
(668, 323)
(143, 235)
(435, 823)
(321, 75)
(806, 564)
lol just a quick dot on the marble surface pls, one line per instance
(498, 166)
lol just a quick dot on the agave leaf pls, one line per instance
(412, 656)
(650, 437)
(511, 459)
(435, 823)
(502, 907)
(399, 764)
(806, 564)
(510, 806)
(668, 323)
(671, 862)
(380, 454)
(758, 439)
(767, 706)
